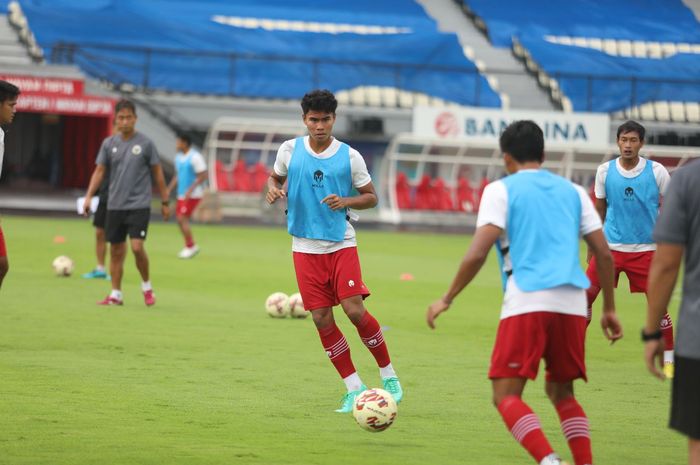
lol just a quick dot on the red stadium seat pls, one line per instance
(484, 182)
(442, 197)
(241, 178)
(223, 177)
(403, 191)
(424, 194)
(466, 201)
(259, 175)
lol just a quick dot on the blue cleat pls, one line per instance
(393, 387)
(349, 400)
(96, 274)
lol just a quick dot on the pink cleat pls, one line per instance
(149, 298)
(109, 300)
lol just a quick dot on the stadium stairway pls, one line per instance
(506, 74)
(12, 52)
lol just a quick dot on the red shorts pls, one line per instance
(186, 207)
(3, 247)
(634, 264)
(326, 279)
(523, 340)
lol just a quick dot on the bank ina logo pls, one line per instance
(318, 179)
(629, 192)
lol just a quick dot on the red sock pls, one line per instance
(371, 334)
(574, 425)
(189, 241)
(525, 427)
(337, 349)
(667, 331)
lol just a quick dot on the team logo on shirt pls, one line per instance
(351, 283)
(136, 149)
(629, 192)
(318, 179)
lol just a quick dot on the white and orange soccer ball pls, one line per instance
(277, 305)
(374, 410)
(296, 306)
(62, 266)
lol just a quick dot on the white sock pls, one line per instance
(668, 356)
(353, 382)
(551, 459)
(100, 268)
(116, 294)
(146, 286)
(387, 372)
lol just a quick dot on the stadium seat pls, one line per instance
(259, 176)
(654, 50)
(639, 49)
(677, 110)
(442, 196)
(223, 177)
(692, 111)
(662, 111)
(424, 194)
(465, 196)
(241, 178)
(403, 192)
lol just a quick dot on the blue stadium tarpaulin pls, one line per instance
(276, 48)
(653, 20)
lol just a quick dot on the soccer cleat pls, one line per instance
(349, 400)
(109, 300)
(668, 370)
(393, 387)
(96, 274)
(149, 297)
(189, 252)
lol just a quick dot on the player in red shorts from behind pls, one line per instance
(8, 101)
(535, 219)
(628, 193)
(321, 173)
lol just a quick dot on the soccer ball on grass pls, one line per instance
(62, 266)
(296, 306)
(374, 410)
(277, 305)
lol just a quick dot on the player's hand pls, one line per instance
(335, 202)
(434, 310)
(86, 206)
(274, 193)
(654, 357)
(165, 210)
(611, 326)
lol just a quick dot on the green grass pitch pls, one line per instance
(206, 377)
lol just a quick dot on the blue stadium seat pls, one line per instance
(273, 49)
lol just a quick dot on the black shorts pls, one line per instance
(100, 218)
(123, 222)
(685, 397)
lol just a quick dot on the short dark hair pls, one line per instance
(124, 104)
(631, 126)
(184, 137)
(319, 100)
(524, 141)
(8, 91)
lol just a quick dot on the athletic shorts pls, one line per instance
(523, 340)
(685, 397)
(186, 207)
(3, 247)
(123, 222)
(326, 279)
(100, 218)
(634, 264)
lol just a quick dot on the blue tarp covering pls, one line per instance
(192, 53)
(652, 20)
(612, 82)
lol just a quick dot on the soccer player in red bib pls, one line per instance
(321, 172)
(536, 219)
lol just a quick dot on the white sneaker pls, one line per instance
(189, 252)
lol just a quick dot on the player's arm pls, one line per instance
(367, 198)
(95, 180)
(201, 177)
(601, 206)
(476, 255)
(662, 279)
(173, 183)
(598, 246)
(157, 172)
(274, 187)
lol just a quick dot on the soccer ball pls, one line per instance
(374, 410)
(62, 266)
(277, 305)
(296, 306)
